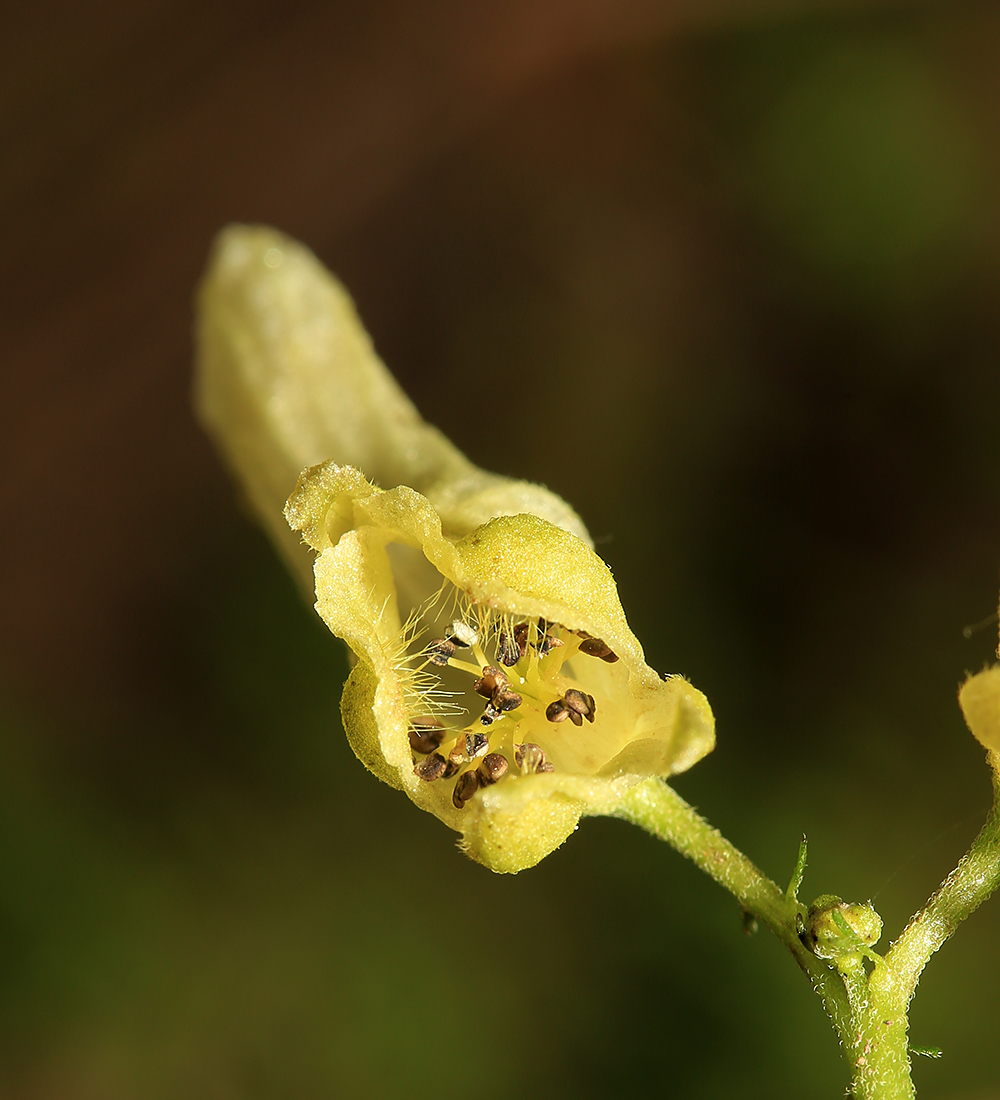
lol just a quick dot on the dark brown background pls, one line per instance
(725, 276)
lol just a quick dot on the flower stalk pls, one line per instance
(875, 1050)
(659, 809)
(973, 880)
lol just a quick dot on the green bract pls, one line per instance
(497, 681)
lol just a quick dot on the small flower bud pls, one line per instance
(840, 931)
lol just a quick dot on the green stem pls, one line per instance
(964, 890)
(659, 810)
(879, 1058)
(872, 1033)
(881, 1063)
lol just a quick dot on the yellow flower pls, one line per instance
(979, 698)
(496, 681)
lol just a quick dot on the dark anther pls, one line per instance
(491, 681)
(530, 758)
(511, 647)
(425, 735)
(431, 767)
(465, 787)
(476, 744)
(580, 706)
(506, 700)
(595, 647)
(546, 640)
(492, 685)
(557, 711)
(493, 767)
(440, 650)
(507, 651)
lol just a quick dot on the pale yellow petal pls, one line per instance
(979, 698)
(287, 377)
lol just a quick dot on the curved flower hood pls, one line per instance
(287, 377)
(497, 681)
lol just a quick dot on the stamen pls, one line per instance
(476, 745)
(530, 758)
(574, 705)
(465, 787)
(431, 767)
(425, 735)
(580, 706)
(509, 652)
(493, 768)
(440, 651)
(506, 700)
(492, 685)
(491, 681)
(596, 647)
(462, 634)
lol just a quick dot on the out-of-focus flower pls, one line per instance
(496, 679)
(979, 698)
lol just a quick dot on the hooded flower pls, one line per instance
(496, 680)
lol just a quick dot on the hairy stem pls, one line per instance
(868, 1011)
(964, 890)
(659, 810)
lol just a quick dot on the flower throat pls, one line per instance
(507, 685)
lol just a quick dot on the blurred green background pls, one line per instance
(735, 271)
